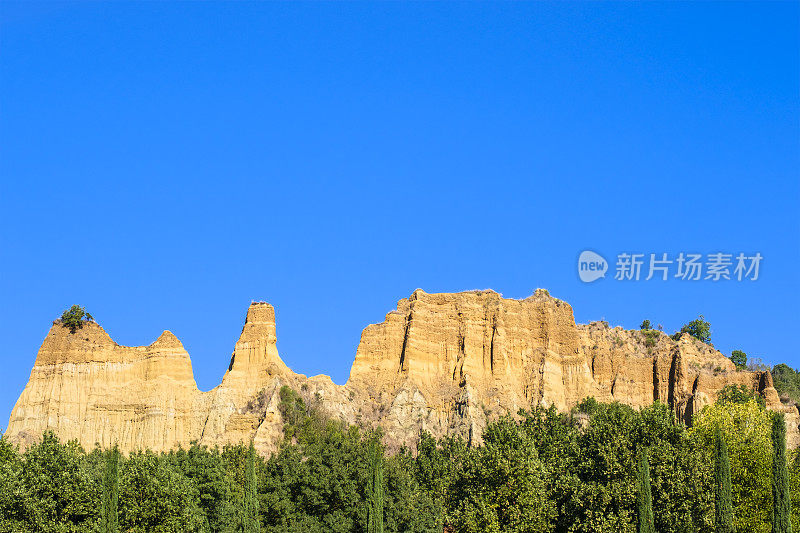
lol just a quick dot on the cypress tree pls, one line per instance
(375, 488)
(723, 505)
(781, 502)
(644, 496)
(250, 520)
(109, 516)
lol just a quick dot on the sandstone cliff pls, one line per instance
(450, 362)
(446, 363)
(84, 386)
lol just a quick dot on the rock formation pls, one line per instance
(84, 386)
(445, 363)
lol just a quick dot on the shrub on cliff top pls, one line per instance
(739, 358)
(698, 328)
(74, 318)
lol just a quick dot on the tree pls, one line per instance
(75, 317)
(644, 498)
(697, 328)
(745, 426)
(723, 506)
(109, 514)
(209, 471)
(502, 487)
(60, 493)
(787, 382)
(739, 359)
(157, 497)
(13, 492)
(292, 409)
(645, 325)
(375, 489)
(781, 502)
(250, 516)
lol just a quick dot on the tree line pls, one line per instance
(603, 467)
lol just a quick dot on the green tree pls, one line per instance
(745, 426)
(209, 472)
(13, 492)
(292, 409)
(644, 497)
(109, 513)
(502, 487)
(317, 481)
(697, 328)
(645, 325)
(156, 497)
(603, 497)
(739, 359)
(250, 516)
(787, 382)
(408, 507)
(555, 438)
(60, 493)
(375, 498)
(435, 467)
(723, 521)
(75, 317)
(781, 502)
(680, 475)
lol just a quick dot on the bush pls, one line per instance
(645, 325)
(697, 328)
(733, 394)
(291, 407)
(651, 338)
(74, 318)
(739, 359)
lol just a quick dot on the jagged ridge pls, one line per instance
(446, 363)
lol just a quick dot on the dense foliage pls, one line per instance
(787, 382)
(539, 471)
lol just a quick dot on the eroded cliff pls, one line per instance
(445, 363)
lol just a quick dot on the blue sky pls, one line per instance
(165, 164)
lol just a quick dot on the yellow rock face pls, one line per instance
(445, 363)
(84, 386)
(448, 363)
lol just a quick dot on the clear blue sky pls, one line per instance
(164, 164)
